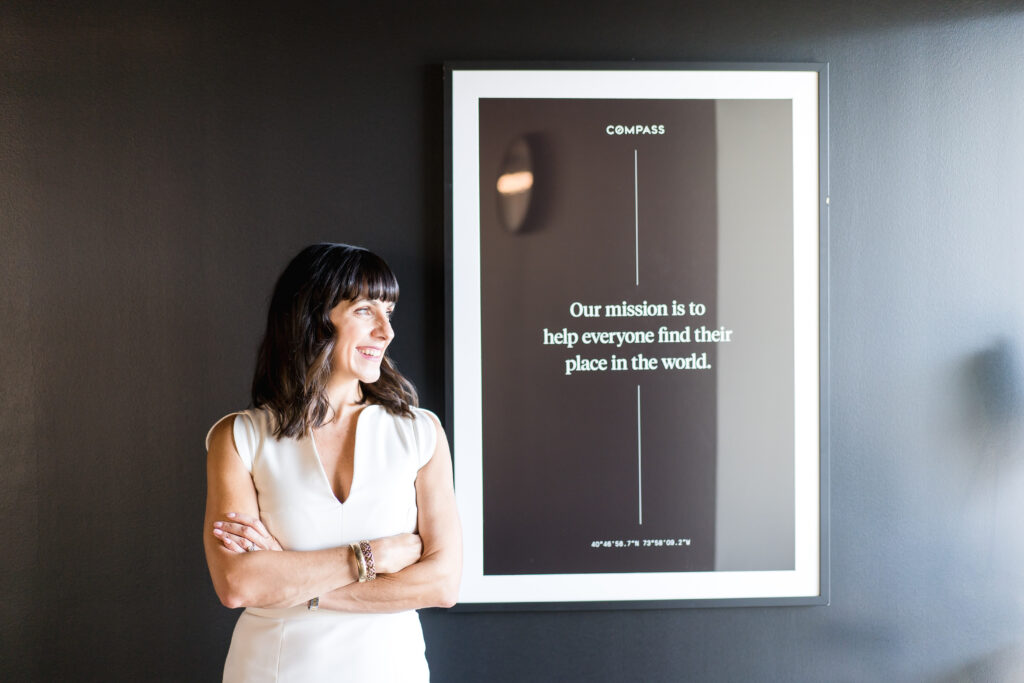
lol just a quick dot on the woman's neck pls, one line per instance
(344, 399)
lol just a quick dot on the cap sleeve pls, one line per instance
(244, 433)
(426, 434)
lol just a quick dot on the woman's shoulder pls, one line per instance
(417, 433)
(420, 417)
(424, 415)
(257, 420)
(248, 430)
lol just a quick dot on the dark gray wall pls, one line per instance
(158, 166)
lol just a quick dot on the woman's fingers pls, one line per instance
(249, 532)
(235, 540)
(242, 531)
(271, 542)
(235, 544)
(254, 522)
(257, 524)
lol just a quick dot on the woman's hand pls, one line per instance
(241, 533)
(392, 554)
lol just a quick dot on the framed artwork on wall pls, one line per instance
(638, 351)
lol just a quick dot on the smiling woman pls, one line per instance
(341, 481)
(363, 332)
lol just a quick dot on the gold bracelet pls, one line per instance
(360, 562)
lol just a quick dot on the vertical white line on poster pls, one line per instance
(636, 220)
(639, 460)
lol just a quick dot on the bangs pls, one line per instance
(368, 277)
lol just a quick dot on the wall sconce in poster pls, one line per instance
(638, 347)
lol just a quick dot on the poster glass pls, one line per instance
(636, 333)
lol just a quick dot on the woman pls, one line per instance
(330, 513)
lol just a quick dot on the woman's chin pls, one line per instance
(369, 377)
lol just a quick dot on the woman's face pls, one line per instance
(362, 330)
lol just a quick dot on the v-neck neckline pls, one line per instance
(355, 460)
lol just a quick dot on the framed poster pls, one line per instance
(638, 349)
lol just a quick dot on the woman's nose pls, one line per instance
(384, 328)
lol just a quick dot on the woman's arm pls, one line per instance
(434, 580)
(272, 579)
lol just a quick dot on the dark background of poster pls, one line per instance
(560, 452)
(159, 163)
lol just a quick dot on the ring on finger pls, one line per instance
(252, 548)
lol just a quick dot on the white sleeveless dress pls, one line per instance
(299, 508)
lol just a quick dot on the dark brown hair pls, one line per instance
(294, 360)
